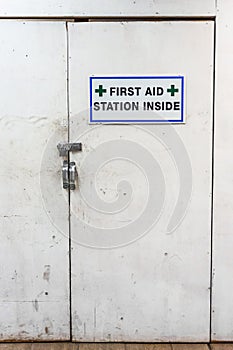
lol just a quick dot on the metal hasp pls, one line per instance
(64, 148)
(69, 174)
(72, 175)
(65, 174)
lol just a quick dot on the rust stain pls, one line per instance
(48, 327)
(36, 305)
(46, 274)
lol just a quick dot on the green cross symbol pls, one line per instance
(100, 90)
(172, 90)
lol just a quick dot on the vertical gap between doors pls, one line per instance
(69, 194)
(212, 187)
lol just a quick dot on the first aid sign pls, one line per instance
(142, 99)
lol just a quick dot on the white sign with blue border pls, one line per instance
(137, 99)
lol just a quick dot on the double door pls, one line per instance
(126, 255)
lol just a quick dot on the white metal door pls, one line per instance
(34, 255)
(148, 281)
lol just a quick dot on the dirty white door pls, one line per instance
(140, 217)
(34, 255)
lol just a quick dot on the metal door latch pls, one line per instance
(69, 171)
(69, 174)
(72, 175)
(65, 148)
(65, 174)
